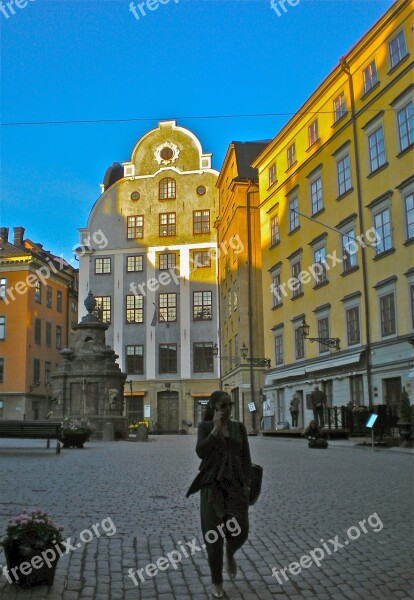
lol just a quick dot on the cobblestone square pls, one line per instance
(308, 498)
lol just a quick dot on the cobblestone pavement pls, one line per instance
(307, 495)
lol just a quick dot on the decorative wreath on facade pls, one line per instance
(167, 153)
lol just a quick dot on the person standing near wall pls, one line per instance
(294, 409)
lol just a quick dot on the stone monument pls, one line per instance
(88, 382)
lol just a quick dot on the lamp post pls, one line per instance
(304, 329)
(259, 362)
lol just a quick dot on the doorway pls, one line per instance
(168, 412)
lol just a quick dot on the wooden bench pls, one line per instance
(35, 430)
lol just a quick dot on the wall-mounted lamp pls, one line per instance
(330, 342)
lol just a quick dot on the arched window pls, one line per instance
(167, 188)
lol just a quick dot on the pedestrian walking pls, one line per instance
(294, 409)
(224, 484)
(318, 400)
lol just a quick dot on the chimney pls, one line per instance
(18, 236)
(4, 234)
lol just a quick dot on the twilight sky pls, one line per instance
(82, 60)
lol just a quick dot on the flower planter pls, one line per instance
(18, 553)
(74, 440)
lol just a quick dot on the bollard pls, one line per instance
(108, 432)
(142, 433)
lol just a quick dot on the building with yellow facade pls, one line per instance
(38, 307)
(155, 280)
(240, 281)
(337, 230)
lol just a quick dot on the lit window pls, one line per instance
(201, 258)
(38, 292)
(166, 261)
(167, 224)
(202, 306)
(135, 263)
(135, 227)
(103, 308)
(201, 221)
(167, 189)
(102, 266)
(167, 304)
(135, 308)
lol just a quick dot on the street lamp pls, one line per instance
(260, 362)
(304, 329)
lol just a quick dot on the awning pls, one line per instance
(134, 393)
(308, 369)
(333, 363)
(206, 395)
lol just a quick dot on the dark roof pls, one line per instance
(113, 174)
(8, 250)
(246, 152)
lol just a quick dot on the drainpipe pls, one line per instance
(249, 300)
(346, 69)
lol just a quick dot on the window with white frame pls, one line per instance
(409, 214)
(397, 48)
(293, 213)
(313, 132)
(353, 332)
(412, 305)
(382, 224)
(343, 170)
(102, 266)
(319, 258)
(2, 328)
(297, 286)
(349, 248)
(291, 155)
(135, 308)
(405, 119)
(166, 261)
(376, 149)
(134, 358)
(370, 76)
(356, 389)
(272, 174)
(167, 307)
(235, 295)
(135, 227)
(103, 308)
(339, 107)
(202, 306)
(167, 224)
(135, 263)
(274, 230)
(279, 352)
(316, 194)
(323, 332)
(299, 344)
(3, 287)
(275, 287)
(387, 314)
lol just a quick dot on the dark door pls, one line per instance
(168, 412)
(393, 391)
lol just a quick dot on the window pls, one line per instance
(135, 308)
(323, 332)
(276, 295)
(1, 370)
(36, 371)
(235, 295)
(297, 287)
(370, 76)
(103, 308)
(376, 149)
(48, 334)
(73, 306)
(201, 258)
(38, 292)
(316, 195)
(167, 307)
(398, 48)
(135, 263)
(236, 349)
(405, 118)
(352, 325)
(382, 226)
(356, 389)
(387, 312)
(339, 107)
(274, 230)
(291, 155)
(102, 266)
(343, 169)
(293, 214)
(412, 305)
(168, 358)
(135, 227)
(203, 358)
(319, 258)
(167, 224)
(313, 132)
(224, 307)
(49, 296)
(409, 214)
(201, 221)
(3, 287)
(202, 306)
(59, 298)
(299, 344)
(2, 328)
(272, 174)
(166, 261)
(349, 249)
(38, 331)
(279, 349)
(48, 370)
(229, 305)
(58, 337)
(167, 189)
(135, 359)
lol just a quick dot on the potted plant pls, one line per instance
(32, 546)
(359, 414)
(405, 421)
(75, 432)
